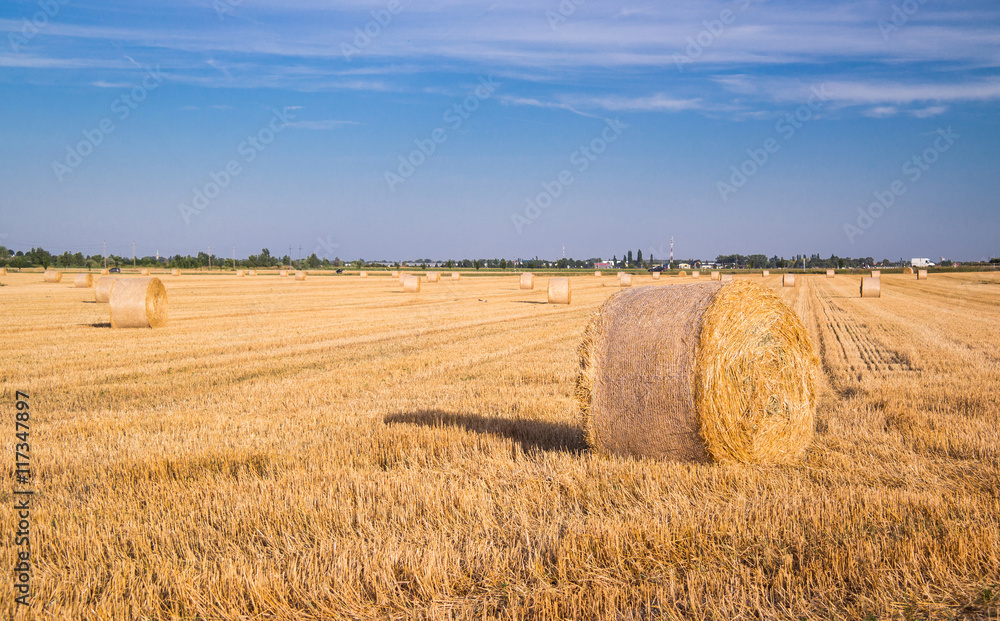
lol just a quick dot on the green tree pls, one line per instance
(629, 262)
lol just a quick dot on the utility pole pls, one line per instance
(133, 255)
(671, 264)
(210, 258)
(289, 253)
(300, 256)
(105, 255)
(234, 258)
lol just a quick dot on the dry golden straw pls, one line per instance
(656, 275)
(765, 273)
(527, 280)
(433, 277)
(145, 272)
(597, 273)
(283, 273)
(876, 273)
(240, 273)
(830, 273)
(363, 274)
(175, 272)
(3, 271)
(620, 274)
(625, 280)
(53, 276)
(411, 284)
(83, 281)
(681, 274)
(395, 273)
(788, 280)
(695, 274)
(301, 275)
(559, 291)
(102, 292)
(138, 303)
(402, 277)
(698, 372)
(252, 273)
(105, 272)
(907, 270)
(871, 287)
(725, 278)
(714, 275)
(921, 274)
(456, 276)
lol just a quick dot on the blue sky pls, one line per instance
(501, 129)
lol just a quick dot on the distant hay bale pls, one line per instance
(921, 274)
(695, 274)
(145, 271)
(527, 280)
(456, 276)
(907, 270)
(625, 280)
(395, 273)
(240, 273)
(53, 276)
(402, 277)
(3, 271)
(765, 273)
(301, 275)
(411, 284)
(363, 274)
(871, 287)
(283, 273)
(138, 303)
(105, 272)
(597, 273)
(656, 275)
(620, 274)
(433, 277)
(725, 278)
(83, 281)
(175, 272)
(876, 273)
(682, 274)
(788, 280)
(102, 292)
(698, 372)
(830, 273)
(559, 291)
(252, 273)
(715, 276)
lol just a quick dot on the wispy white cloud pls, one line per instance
(321, 125)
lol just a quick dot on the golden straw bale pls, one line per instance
(402, 277)
(395, 273)
(240, 273)
(682, 274)
(144, 271)
(83, 281)
(411, 284)
(175, 272)
(871, 287)
(656, 275)
(725, 277)
(597, 273)
(696, 274)
(456, 276)
(53, 276)
(105, 272)
(252, 273)
(714, 275)
(830, 273)
(876, 273)
(301, 275)
(3, 271)
(527, 280)
(907, 270)
(433, 277)
(620, 274)
(363, 274)
(559, 291)
(765, 273)
(102, 292)
(625, 280)
(138, 303)
(283, 273)
(788, 280)
(921, 274)
(698, 372)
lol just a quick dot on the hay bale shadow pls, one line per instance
(531, 434)
(99, 325)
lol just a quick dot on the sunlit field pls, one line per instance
(337, 449)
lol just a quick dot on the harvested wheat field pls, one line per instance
(337, 449)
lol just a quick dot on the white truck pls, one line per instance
(921, 263)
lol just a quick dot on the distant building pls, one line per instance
(604, 265)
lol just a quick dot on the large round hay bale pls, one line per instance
(102, 292)
(656, 275)
(433, 277)
(3, 271)
(597, 273)
(411, 284)
(788, 280)
(363, 274)
(921, 274)
(876, 273)
(52, 276)
(559, 291)
(527, 280)
(695, 274)
(144, 271)
(456, 276)
(625, 280)
(175, 272)
(395, 273)
(83, 281)
(105, 272)
(765, 273)
(725, 277)
(402, 277)
(682, 274)
(620, 274)
(240, 273)
(698, 372)
(830, 273)
(138, 303)
(301, 275)
(871, 287)
(283, 273)
(252, 273)
(907, 270)
(714, 276)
